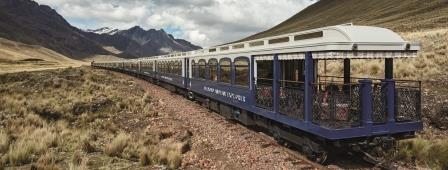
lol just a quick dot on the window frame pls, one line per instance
(179, 67)
(245, 59)
(221, 70)
(170, 67)
(151, 66)
(209, 69)
(193, 69)
(202, 69)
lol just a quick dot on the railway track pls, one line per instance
(291, 152)
(305, 162)
(301, 160)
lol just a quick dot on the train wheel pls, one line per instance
(277, 136)
(317, 155)
(321, 157)
(378, 155)
(190, 95)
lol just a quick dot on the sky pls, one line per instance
(202, 22)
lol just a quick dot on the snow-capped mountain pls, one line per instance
(137, 42)
(104, 30)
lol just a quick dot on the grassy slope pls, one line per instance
(102, 58)
(398, 15)
(82, 118)
(14, 56)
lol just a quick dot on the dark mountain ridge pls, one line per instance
(28, 22)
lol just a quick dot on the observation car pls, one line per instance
(276, 83)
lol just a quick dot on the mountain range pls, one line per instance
(28, 22)
(104, 30)
(136, 41)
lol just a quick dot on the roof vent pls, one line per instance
(408, 47)
(318, 34)
(238, 46)
(347, 24)
(278, 40)
(224, 48)
(355, 47)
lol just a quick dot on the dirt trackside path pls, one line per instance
(217, 143)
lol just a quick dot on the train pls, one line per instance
(280, 84)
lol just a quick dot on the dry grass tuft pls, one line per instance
(4, 141)
(118, 144)
(34, 120)
(426, 152)
(170, 156)
(31, 143)
(78, 161)
(148, 156)
(47, 162)
(87, 147)
(166, 154)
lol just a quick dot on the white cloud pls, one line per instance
(203, 22)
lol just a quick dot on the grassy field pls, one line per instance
(80, 118)
(15, 56)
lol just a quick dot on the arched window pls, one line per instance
(162, 67)
(173, 67)
(159, 66)
(213, 69)
(167, 67)
(170, 67)
(143, 66)
(225, 70)
(202, 68)
(242, 71)
(179, 68)
(194, 68)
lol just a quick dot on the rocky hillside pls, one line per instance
(30, 23)
(137, 42)
(398, 15)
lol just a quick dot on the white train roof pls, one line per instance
(333, 42)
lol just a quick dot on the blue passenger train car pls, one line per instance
(279, 83)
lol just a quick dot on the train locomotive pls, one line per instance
(276, 83)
